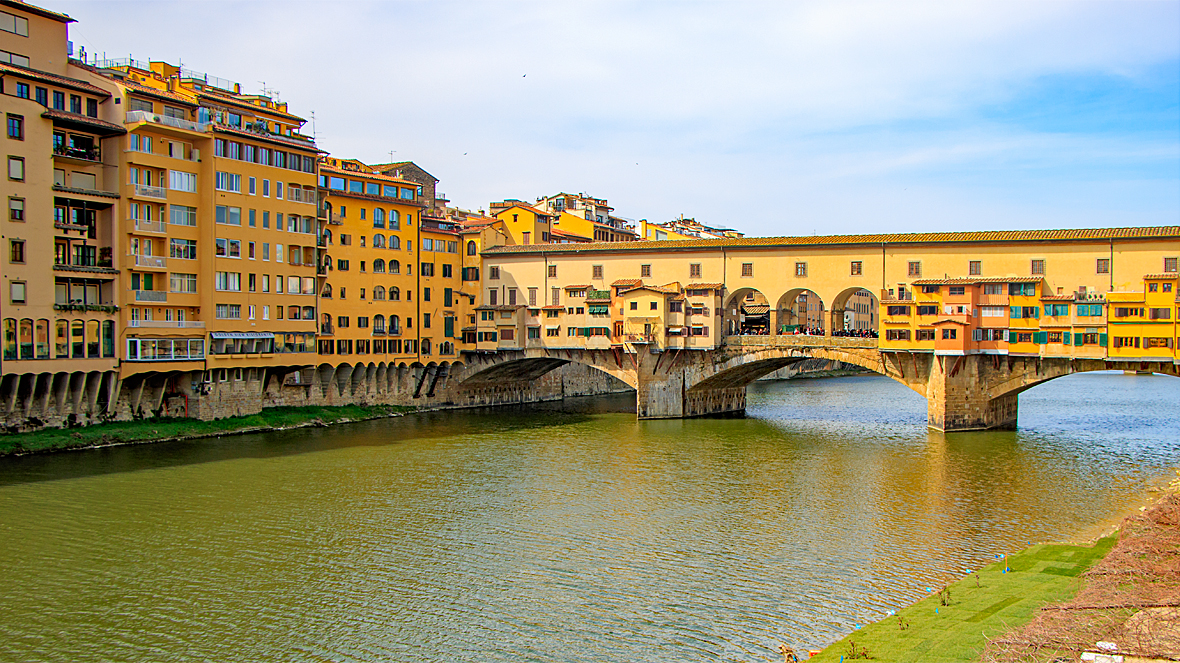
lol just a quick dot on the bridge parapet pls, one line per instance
(800, 341)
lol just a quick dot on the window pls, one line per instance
(1037, 268)
(75, 104)
(181, 215)
(229, 281)
(957, 290)
(694, 270)
(898, 334)
(1103, 266)
(974, 267)
(897, 310)
(182, 283)
(1159, 314)
(229, 215)
(229, 311)
(1022, 289)
(857, 268)
(16, 251)
(92, 107)
(16, 209)
(645, 271)
(924, 335)
(228, 182)
(16, 59)
(927, 309)
(16, 169)
(748, 268)
(915, 268)
(949, 333)
(493, 273)
(228, 248)
(16, 127)
(654, 306)
(14, 24)
(596, 272)
(1170, 265)
(185, 249)
(634, 306)
(427, 269)
(182, 181)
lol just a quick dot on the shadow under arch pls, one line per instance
(747, 313)
(800, 308)
(529, 366)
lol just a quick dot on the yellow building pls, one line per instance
(585, 218)
(522, 223)
(1143, 325)
(390, 278)
(62, 144)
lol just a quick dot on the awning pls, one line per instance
(755, 309)
(219, 335)
(598, 310)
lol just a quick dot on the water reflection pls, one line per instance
(571, 533)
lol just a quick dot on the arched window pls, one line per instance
(61, 338)
(395, 242)
(471, 247)
(378, 241)
(378, 293)
(26, 338)
(77, 339)
(378, 218)
(327, 291)
(395, 267)
(325, 324)
(327, 262)
(395, 295)
(93, 339)
(327, 236)
(108, 338)
(425, 346)
(395, 324)
(378, 265)
(378, 322)
(10, 338)
(43, 338)
(394, 221)
(362, 293)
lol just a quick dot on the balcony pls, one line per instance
(88, 155)
(150, 226)
(164, 120)
(145, 191)
(378, 331)
(151, 296)
(151, 262)
(335, 219)
(167, 324)
(993, 300)
(326, 330)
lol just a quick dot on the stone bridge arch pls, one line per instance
(528, 365)
(800, 307)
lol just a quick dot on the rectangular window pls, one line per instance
(252, 188)
(645, 271)
(181, 215)
(185, 249)
(694, 270)
(1103, 266)
(949, 333)
(748, 268)
(16, 209)
(915, 268)
(16, 251)
(957, 290)
(1037, 267)
(16, 169)
(15, 24)
(228, 182)
(16, 127)
(552, 270)
(924, 335)
(857, 268)
(974, 267)
(229, 215)
(1170, 265)
(182, 181)
(182, 283)
(596, 272)
(493, 273)
(229, 311)
(230, 281)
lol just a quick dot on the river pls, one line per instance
(568, 532)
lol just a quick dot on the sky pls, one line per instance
(774, 118)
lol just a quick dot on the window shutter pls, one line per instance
(1005, 335)
(1078, 338)
(1015, 311)
(449, 323)
(447, 297)
(1065, 338)
(977, 334)
(1102, 340)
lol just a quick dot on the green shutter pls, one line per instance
(1102, 340)
(1015, 312)
(1065, 338)
(449, 323)
(1078, 338)
(447, 297)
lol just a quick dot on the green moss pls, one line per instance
(147, 430)
(958, 632)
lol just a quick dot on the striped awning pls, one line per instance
(247, 335)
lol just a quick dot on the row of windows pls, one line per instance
(377, 346)
(262, 155)
(79, 105)
(336, 183)
(75, 339)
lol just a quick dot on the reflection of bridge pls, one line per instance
(963, 392)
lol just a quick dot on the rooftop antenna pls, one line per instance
(313, 137)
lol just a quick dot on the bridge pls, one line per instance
(967, 320)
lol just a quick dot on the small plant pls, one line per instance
(855, 652)
(944, 596)
(902, 624)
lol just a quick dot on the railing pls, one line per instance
(640, 338)
(326, 329)
(176, 122)
(800, 340)
(378, 331)
(145, 191)
(144, 226)
(151, 296)
(993, 300)
(84, 153)
(168, 324)
(151, 261)
(335, 219)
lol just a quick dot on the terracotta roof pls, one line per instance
(1072, 235)
(704, 286)
(952, 320)
(135, 87)
(325, 168)
(283, 141)
(756, 309)
(578, 287)
(654, 288)
(63, 81)
(979, 279)
(626, 282)
(553, 307)
(1064, 298)
(75, 118)
(1168, 275)
(213, 96)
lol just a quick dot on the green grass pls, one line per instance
(957, 632)
(146, 430)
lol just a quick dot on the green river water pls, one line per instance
(565, 532)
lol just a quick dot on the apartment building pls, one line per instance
(390, 278)
(585, 218)
(61, 151)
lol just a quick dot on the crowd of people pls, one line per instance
(856, 333)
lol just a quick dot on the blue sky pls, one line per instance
(774, 118)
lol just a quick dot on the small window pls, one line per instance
(1037, 268)
(747, 269)
(694, 270)
(1103, 266)
(493, 273)
(645, 271)
(16, 169)
(552, 271)
(596, 271)
(634, 306)
(655, 306)
(857, 268)
(16, 209)
(1170, 265)
(16, 251)
(801, 269)
(974, 267)
(949, 333)
(16, 127)
(915, 268)
(16, 292)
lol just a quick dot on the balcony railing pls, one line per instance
(83, 153)
(151, 296)
(176, 122)
(335, 219)
(168, 324)
(150, 226)
(151, 261)
(378, 331)
(145, 191)
(326, 329)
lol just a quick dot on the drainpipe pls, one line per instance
(1111, 270)
(418, 288)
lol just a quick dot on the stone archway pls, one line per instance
(747, 313)
(855, 312)
(801, 311)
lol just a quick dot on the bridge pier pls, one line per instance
(959, 394)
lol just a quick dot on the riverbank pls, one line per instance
(1046, 601)
(164, 430)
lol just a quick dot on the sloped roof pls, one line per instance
(623, 283)
(47, 77)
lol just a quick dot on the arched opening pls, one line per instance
(747, 314)
(471, 247)
(855, 312)
(801, 311)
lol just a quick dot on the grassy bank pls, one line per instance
(152, 430)
(931, 631)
